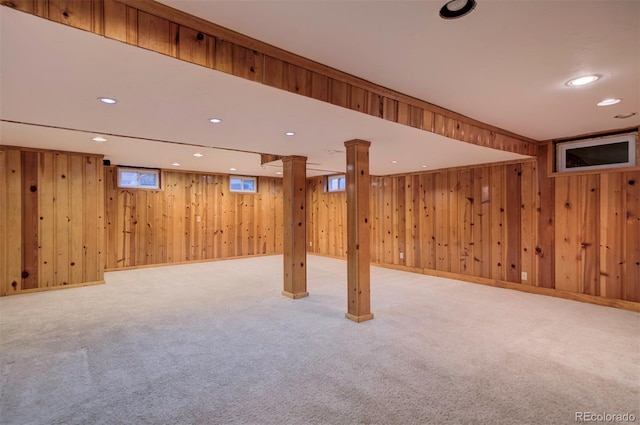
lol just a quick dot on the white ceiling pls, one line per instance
(51, 75)
(504, 64)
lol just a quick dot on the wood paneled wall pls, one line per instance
(194, 217)
(472, 221)
(597, 234)
(154, 26)
(51, 224)
(495, 222)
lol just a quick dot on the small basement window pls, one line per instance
(243, 184)
(596, 154)
(335, 183)
(138, 178)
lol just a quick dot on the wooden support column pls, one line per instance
(358, 229)
(295, 226)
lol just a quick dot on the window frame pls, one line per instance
(561, 149)
(156, 171)
(243, 179)
(327, 183)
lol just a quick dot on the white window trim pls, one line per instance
(562, 147)
(255, 184)
(139, 170)
(335, 177)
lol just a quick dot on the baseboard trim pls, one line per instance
(54, 288)
(179, 263)
(538, 290)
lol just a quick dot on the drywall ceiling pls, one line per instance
(505, 64)
(51, 76)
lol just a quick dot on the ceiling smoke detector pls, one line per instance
(457, 8)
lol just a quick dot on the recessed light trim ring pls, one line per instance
(583, 80)
(609, 101)
(457, 9)
(108, 100)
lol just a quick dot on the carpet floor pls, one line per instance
(216, 343)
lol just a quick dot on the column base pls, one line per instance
(295, 296)
(359, 319)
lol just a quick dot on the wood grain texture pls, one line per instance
(358, 186)
(10, 222)
(576, 234)
(631, 284)
(29, 220)
(596, 248)
(51, 220)
(194, 217)
(295, 228)
(451, 220)
(82, 14)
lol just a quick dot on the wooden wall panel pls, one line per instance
(545, 247)
(10, 221)
(482, 222)
(156, 34)
(50, 220)
(196, 47)
(513, 206)
(498, 220)
(494, 222)
(46, 230)
(29, 220)
(452, 220)
(530, 208)
(194, 217)
(86, 15)
(596, 235)
(611, 229)
(427, 221)
(631, 284)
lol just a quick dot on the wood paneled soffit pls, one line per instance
(154, 26)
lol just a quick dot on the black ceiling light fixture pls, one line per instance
(457, 8)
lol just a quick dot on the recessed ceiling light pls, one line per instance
(627, 115)
(457, 9)
(198, 155)
(233, 169)
(424, 166)
(99, 139)
(215, 120)
(289, 133)
(107, 100)
(279, 173)
(584, 80)
(610, 101)
(394, 162)
(176, 164)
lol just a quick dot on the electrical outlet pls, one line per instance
(198, 219)
(402, 255)
(523, 275)
(310, 243)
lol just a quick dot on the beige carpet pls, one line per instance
(216, 343)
